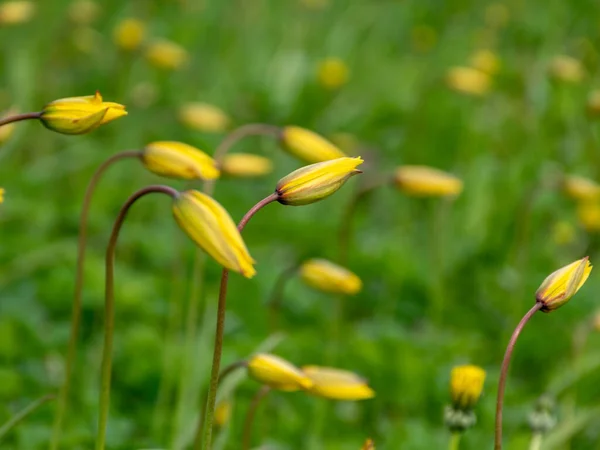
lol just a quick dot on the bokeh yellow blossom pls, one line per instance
(329, 277)
(566, 68)
(485, 61)
(178, 160)
(332, 73)
(368, 445)
(222, 413)
(466, 385)
(2, 195)
(312, 183)
(337, 384)
(558, 287)
(84, 12)
(581, 188)
(277, 373)
(308, 146)
(129, 34)
(204, 117)
(7, 130)
(245, 165)
(424, 181)
(209, 225)
(167, 55)
(563, 233)
(468, 80)
(593, 103)
(16, 12)
(588, 214)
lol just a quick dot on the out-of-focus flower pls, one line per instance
(486, 61)
(424, 181)
(566, 68)
(466, 384)
(277, 373)
(424, 38)
(368, 445)
(84, 12)
(204, 117)
(581, 188)
(16, 12)
(222, 413)
(308, 146)
(468, 80)
(179, 160)
(129, 34)
(497, 15)
(78, 115)
(329, 277)
(165, 54)
(245, 165)
(209, 225)
(558, 288)
(593, 102)
(588, 213)
(312, 183)
(332, 73)
(337, 384)
(2, 195)
(563, 233)
(7, 130)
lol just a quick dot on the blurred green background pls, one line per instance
(445, 282)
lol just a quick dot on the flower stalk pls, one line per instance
(21, 415)
(20, 117)
(454, 443)
(249, 421)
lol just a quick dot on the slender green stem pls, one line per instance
(216, 364)
(536, 441)
(14, 420)
(274, 302)
(454, 443)
(504, 372)
(63, 395)
(249, 421)
(20, 117)
(109, 310)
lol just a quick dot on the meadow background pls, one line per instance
(445, 281)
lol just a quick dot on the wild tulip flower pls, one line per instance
(245, 165)
(308, 146)
(468, 80)
(329, 277)
(277, 373)
(588, 214)
(424, 181)
(129, 34)
(178, 160)
(466, 385)
(204, 117)
(558, 288)
(209, 225)
(312, 183)
(337, 384)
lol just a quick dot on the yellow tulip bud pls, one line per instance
(567, 69)
(312, 183)
(165, 54)
(466, 384)
(332, 73)
(368, 445)
(423, 181)
(7, 130)
(558, 288)
(277, 373)
(209, 225)
(580, 188)
(486, 61)
(179, 160)
(16, 12)
(204, 117)
(246, 165)
(222, 413)
(336, 384)
(2, 195)
(308, 146)
(468, 81)
(588, 213)
(79, 115)
(129, 34)
(84, 12)
(329, 277)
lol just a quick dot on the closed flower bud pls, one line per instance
(332, 73)
(209, 225)
(179, 160)
(129, 34)
(468, 81)
(312, 183)
(79, 115)
(245, 165)
(329, 277)
(277, 373)
(567, 69)
(486, 61)
(16, 12)
(581, 188)
(423, 181)
(337, 384)
(167, 55)
(204, 117)
(308, 146)
(466, 384)
(368, 445)
(558, 288)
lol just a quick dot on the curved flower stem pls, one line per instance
(76, 306)
(224, 374)
(248, 422)
(454, 443)
(20, 117)
(504, 372)
(536, 441)
(109, 310)
(274, 303)
(4, 429)
(216, 364)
